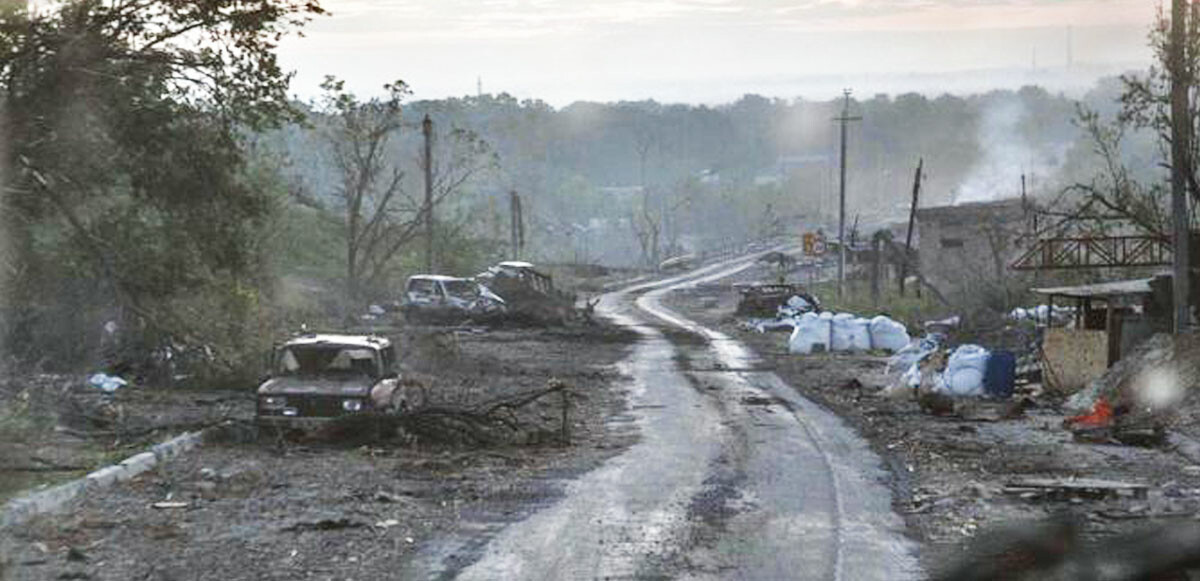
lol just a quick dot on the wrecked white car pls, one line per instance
(316, 378)
(437, 298)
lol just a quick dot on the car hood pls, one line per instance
(353, 386)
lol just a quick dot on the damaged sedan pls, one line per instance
(321, 377)
(438, 298)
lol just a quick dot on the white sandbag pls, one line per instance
(964, 382)
(850, 333)
(969, 356)
(811, 334)
(887, 334)
(964, 371)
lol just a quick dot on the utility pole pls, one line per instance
(1180, 164)
(912, 219)
(427, 131)
(517, 225)
(845, 119)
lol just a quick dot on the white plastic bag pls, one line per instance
(106, 383)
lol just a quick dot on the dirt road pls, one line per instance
(735, 474)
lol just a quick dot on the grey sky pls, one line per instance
(714, 50)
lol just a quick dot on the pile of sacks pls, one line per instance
(1060, 314)
(971, 370)
(816, 333)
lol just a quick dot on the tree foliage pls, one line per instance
(378, 207)
(124, 157)
(1115, 193)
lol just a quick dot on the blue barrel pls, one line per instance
(999, 375)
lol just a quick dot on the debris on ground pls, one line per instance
(377, 500)
(763, 299)
(106, 383)
(1068, 488)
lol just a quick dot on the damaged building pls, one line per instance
(965, 249)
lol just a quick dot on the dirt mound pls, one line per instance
(1160, 374)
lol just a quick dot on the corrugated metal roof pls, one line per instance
(1100, 289)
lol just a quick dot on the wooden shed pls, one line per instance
(1110, 319)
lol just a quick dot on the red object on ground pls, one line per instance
(1101, 416)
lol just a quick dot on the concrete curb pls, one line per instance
(51, 500)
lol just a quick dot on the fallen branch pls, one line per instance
(487, 422)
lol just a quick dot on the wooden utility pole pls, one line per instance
(845, 119)
(427, 131)
(912, 219)
(876, 265)
(1180, 162)
(517, 224)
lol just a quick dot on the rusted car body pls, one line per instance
(761, 299)
(316, 378)
(438, 298)
(528, 293)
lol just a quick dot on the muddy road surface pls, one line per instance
(734, 476)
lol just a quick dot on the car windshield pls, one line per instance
(324, 361)
(463, 289)
(422, 287)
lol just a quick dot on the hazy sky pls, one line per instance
(714, 50)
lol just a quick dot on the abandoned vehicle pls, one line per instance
(320, 377)
(431, 297)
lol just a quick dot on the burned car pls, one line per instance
(437, 298)
(529, 293)
(763, 299)
(321, 377)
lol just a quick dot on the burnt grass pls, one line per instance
(272, 507)
(948, 474)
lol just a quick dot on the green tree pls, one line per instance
(125, 162)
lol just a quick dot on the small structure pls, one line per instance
(1110, 319)
(966, 248)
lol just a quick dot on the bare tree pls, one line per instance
(1113, 193)
(647, 227)
(1145, 105)
(379, 214)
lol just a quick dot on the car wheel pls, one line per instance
(402, 407)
